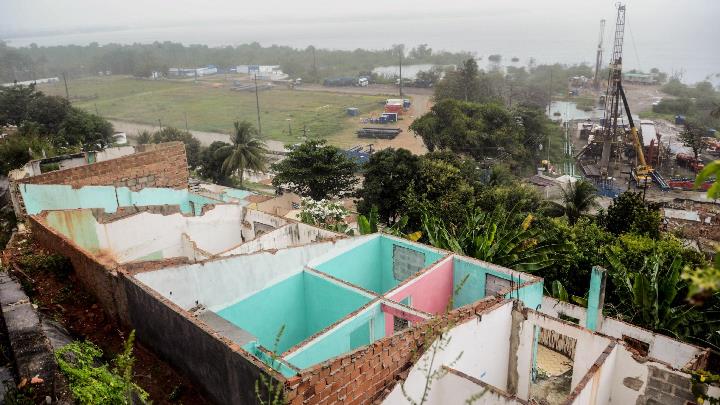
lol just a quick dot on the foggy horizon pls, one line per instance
(659, 33)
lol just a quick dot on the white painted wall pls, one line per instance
(450, 389)
(114, 153)
(483, 347)
(223, 282)
(588, 345)
(252, 216)
(289, 235)
(663, 348)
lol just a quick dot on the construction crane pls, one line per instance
(642, 172)
(599, 56)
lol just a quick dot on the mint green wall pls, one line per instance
(231, 193)
(473, 289)
(78, 226)
(304, 303)
(277, 363)
(370, 265)
(327, 303)
(355, 333)
(361, 266)
(39, 197)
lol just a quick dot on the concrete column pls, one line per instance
(596, 297)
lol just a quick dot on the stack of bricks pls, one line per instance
(163, 165)
(366, 375)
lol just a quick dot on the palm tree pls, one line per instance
(577, 199)
(246, 152)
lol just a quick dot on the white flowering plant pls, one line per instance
(324, 213)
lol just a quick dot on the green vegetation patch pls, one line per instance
(213, 108)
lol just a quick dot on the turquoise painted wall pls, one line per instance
(265, 312)
(327, 303)
(355, 333)
(370, 265)
(304, 303)
(361, 266)
(278, 363)
(474, 287)
(57, 197)
(231, 193)
(78, 226)
(39, 197)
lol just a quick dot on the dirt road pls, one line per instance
(206, 138)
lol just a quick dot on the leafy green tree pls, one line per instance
(499, 237)
(692, 137)
(629, 213)
(578, 198)
(387, 177)
(211, 160)
(518, 198)
(16, 150)
(485, 132)
(90, 131)
(588, 241)
(246, 152)
(440, 187)
(14, 101)
(192, 145)
(317, 170)
(49, 112)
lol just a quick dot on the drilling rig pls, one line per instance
(641, 173)
(599, 56)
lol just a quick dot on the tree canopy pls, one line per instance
(317, 170)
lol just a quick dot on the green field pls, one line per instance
(211, 105)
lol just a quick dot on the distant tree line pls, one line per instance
(311, 64)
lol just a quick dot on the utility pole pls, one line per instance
(186, 123)
(550, 92)
(315, 74)
(160, 123)
(67, 92)
(257, 104)
(401, 83)
(96, 110)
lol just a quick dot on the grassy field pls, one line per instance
(211, 105)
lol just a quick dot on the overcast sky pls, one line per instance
(666, 33)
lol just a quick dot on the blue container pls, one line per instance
(353, 112)
(383, 119)
(679, 120)
(406, 104)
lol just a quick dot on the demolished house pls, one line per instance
(227, 293)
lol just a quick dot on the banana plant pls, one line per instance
(502, 238)
(651, 292)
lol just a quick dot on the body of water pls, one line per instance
(674, 37)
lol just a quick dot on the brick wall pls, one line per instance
(156, 165)
(94, 271)
(161, 165)
(667, 388)
(368, 374)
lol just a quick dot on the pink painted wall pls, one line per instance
(432, 291)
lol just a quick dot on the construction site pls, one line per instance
(616, 149)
